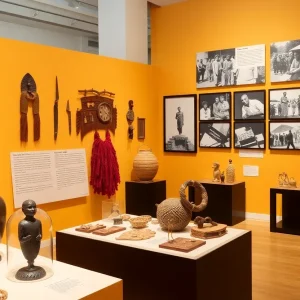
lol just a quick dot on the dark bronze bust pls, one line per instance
(30, 236)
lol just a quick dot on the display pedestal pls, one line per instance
(141, 197)
(290, 222)
(220, 269)
(226, 201)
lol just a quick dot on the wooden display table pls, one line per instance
(220, 269)
(290, 222)
(226, 201)
(67, 283)
(141, 197)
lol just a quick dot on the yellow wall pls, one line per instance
(180, 31)
(75, 71)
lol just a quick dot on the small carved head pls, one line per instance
(216, 166)
(130, 104)
(29, 208)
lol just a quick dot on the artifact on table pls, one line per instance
(29, 94)
(230, 172)
(292, 182)
(145, 164)
(207, 228)
(118, 220)
(68, 110)
(88, 228)
(115, 211)
(55, 110)
(139, 222)
(182, 244)
(222, 177)
(3, 295)
(105, 176)
(147, 217)
(285, 181)
(109, 230)
(216, 172)
(30, 236)
(130, 119)
(137, 235)
(176, 213)
(2, 218)
(126, 217)
(97, 112)
(154, 221)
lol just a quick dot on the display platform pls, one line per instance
(290, 222)
(226, 201)
(220, 269)
(67, 283)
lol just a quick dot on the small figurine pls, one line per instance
(230, 172)
(118, 220)
(130, 119)
(200, 221)
(222, 177)
(216, 172)
(30, 236)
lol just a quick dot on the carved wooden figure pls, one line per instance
(130, 119)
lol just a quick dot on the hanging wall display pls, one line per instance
(68, 110)
(285, 61)
(229, 67)
(249, 105)
(250, 135)
(180, 132)
(29, 94)
(130, 119)
(55, 110)
(141, 128)
(284, 104)
(214, 135)
(97, 112)
(215, 106)
(284, 135)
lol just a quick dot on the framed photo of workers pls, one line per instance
(284, 135)
(180, 127)
(250, 105)
(249, 135)
(284, 104)
(215, 135)
(285, 61)
(215, 107)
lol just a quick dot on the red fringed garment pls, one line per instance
(105, 176)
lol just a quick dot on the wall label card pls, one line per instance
(252, 171)
(251, 154)
(49, 176)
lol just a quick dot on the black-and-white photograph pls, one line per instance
(249, 105)
(249, 135)
(228, 67)
(284, 135)
(216, 106)
(284, 104)
(214, 135)
(285, 61)
(180, 132)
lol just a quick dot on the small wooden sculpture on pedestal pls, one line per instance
(130, 119)
(216, 172)
(213, 229)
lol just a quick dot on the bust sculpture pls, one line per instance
(30, 236)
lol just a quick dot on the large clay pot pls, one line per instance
(145, 165)
(2, 217)
(174, 214)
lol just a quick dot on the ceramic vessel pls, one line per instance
(230, 172)
(174, 214)
(145, 165)
(222, 177)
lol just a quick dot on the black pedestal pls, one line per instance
(226, 202)
(290, 222)
(141, 197)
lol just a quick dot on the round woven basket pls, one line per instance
(145, 164)
(138, 222)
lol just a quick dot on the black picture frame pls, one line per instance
(215, 135)
(222, 114)
(252, 135)
(141, 128)
(259, 96)
(284, 127)
(276, 112)
(186, 140)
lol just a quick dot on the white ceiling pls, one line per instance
(156, 2)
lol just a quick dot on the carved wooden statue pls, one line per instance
(130, 119)
(216, 172)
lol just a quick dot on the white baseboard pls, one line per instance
(261, 217)
(46, 243)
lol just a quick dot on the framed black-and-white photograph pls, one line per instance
(284, 135)
(284, 104)
(228, 67)
(214, 135)
(250, 105)
(249, 135)
(285, 61)
(180, 131)
(215, 106)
